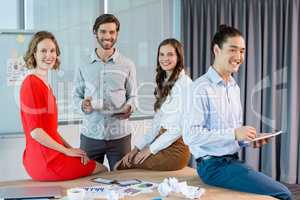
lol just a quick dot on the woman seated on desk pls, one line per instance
(47, 156)
(162, 147)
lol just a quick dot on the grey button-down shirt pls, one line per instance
(113, 83)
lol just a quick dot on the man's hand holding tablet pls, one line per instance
(262, 139)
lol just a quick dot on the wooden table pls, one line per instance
(186, 174)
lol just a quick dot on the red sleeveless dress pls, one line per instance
(39, 110)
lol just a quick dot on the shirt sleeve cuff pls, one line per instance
(132, 104)
(153, 150)
(140, 144)
(231, 133)
(79, 107)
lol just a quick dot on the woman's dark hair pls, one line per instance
(103, 19)
(163, 88)
(32, 48)
(224, 32)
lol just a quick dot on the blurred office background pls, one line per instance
(144, 24)
(269, 79)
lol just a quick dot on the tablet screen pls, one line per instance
(129, 182)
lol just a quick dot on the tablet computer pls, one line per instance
(264, 136)
(128, 182)
(103, 180)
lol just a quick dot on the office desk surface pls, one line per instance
(186, 174)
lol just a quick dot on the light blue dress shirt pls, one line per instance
(114, 84)
(213, 112)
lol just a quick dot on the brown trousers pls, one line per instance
(174, 157)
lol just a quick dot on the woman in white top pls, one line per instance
(162, 147)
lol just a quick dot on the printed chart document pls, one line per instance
(264, 136)
(104, 190)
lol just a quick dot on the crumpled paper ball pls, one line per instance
(164, 189)
(172, 185)
(192, 192)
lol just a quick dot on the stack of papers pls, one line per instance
(117, 191)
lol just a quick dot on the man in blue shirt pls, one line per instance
(213, 124)
(105, 93)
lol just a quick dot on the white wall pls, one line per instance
(12, 147)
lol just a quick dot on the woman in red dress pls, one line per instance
(47, 156)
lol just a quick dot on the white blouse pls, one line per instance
(167, 117)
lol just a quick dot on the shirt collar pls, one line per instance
(113, 58)
(182, 72)
(217, 79)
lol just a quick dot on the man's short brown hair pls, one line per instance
(103, 19)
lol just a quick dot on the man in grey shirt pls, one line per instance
(105, 93)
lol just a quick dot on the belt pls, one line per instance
(200, 159)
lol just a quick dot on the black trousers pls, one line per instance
(114, 150)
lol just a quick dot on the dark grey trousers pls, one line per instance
(113, 149)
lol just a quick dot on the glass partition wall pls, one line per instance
(144, 24)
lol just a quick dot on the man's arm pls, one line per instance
(196, 118)
(78, 92)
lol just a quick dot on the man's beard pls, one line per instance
(106, 47)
